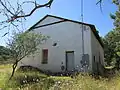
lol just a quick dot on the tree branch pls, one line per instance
(48, 4)
(100, 2)
(6, 7)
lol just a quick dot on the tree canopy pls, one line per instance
(112, 39)
(24, 44)
(4, 53)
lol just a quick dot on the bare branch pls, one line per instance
(14, 15)
(2, 22)
(48, 4)
(11, 6)
(3, 27)
(5, 34)
(100, 3)
(29, 2)
(16, 26)
(6, 7)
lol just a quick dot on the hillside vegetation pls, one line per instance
(5, 55)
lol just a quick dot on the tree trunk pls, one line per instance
(13, 71)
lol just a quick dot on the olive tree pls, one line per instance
(24, 44)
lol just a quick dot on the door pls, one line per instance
(95, 65)
(70, 60)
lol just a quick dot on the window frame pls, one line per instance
(44, 56)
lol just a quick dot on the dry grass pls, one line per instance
(5, 71)
(87, 82)
(33, 80)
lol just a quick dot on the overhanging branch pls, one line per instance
(6, 7)
(14, 17)
(100, 2)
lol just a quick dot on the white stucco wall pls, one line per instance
(97, 50)
(48, 20)
(68, 36)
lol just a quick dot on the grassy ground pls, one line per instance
(5, 71)
(33, 80)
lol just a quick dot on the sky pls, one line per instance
(71, 9)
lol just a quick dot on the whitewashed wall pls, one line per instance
(97, 50)
(48, 20)
(68, 36)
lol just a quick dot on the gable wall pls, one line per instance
(48, 20)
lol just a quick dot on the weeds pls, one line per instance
(34, 80)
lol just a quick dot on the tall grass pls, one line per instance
(34, 80)
(3, 79)
(5, 71)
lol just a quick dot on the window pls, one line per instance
(99, 59)
(44, 56)
(94, 59)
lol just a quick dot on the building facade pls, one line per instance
(63, 51)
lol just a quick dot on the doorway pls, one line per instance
(69, 60)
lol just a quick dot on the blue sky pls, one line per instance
(71, 9)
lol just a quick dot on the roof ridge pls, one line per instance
(67, 19)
